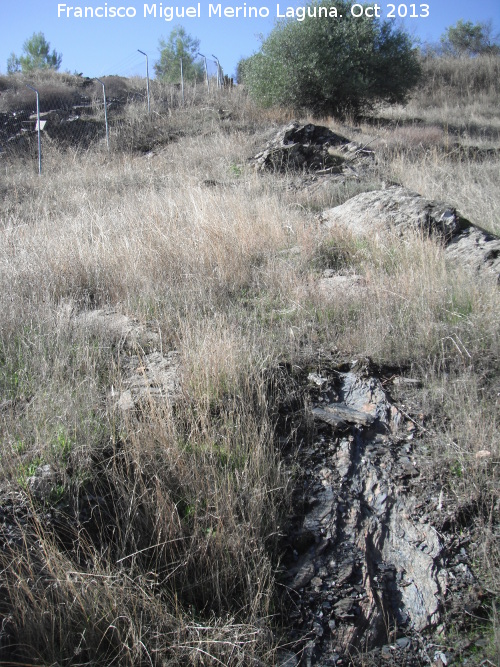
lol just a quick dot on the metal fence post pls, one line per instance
(219, 83)
(206, 72)
(38, 127)
(105, 111)
(147, 77)
(182, 84)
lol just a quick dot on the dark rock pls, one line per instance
(380, 569)
(42, 482)
(403, 642)
(303, 576)
(304, 148)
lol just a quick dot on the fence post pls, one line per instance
(147, 77)
(105, 111)
(38, 127)
(206, 72)
(218, 70)
(182, 84)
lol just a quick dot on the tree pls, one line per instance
(470, 39)
(36, 56)
(330, 65)
(179, 45)
(241, 69)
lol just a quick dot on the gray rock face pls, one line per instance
(150, 377)
(360, 564)
(400, 210)
(42, 482)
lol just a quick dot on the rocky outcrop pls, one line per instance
(399, 210)
(307, 148)
(148, 373)
(364, 565)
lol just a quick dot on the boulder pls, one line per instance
(298, 147)
(399, 210)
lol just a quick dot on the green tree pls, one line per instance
(179, 45)
(470, 39)
(37, 55)
(332, 65)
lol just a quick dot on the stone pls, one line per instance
(403, 642)
(344, 608)
(385, 652)
(148, 374)
(298, 147)
(149, 377)
(316, 379)
(339, 415)
(399, 210)
(42, 482)
(303, 576)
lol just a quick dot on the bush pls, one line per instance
(470, 39)
(332, 65)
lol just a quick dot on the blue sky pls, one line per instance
(101, 46)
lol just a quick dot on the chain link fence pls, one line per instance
(72, 111)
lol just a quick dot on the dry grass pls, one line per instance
(470, 186)
(156, 543)
(458, 93)
(438, 144)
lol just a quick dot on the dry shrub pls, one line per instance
(162, 526)
(463, 412)
(56, 91)
(173, 232)
(414, 136)
(461, 95)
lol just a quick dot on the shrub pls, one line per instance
(470, 39)
(332, 65)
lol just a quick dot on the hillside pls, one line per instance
(249, 381)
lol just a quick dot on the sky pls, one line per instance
(108, 45)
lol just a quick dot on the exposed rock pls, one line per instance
(398, 210)
(477, 249)
(150, 377)
(303, 576)
(360, 564)
(73, 125)
(306, 148)
(147, 373)
(42, 482)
